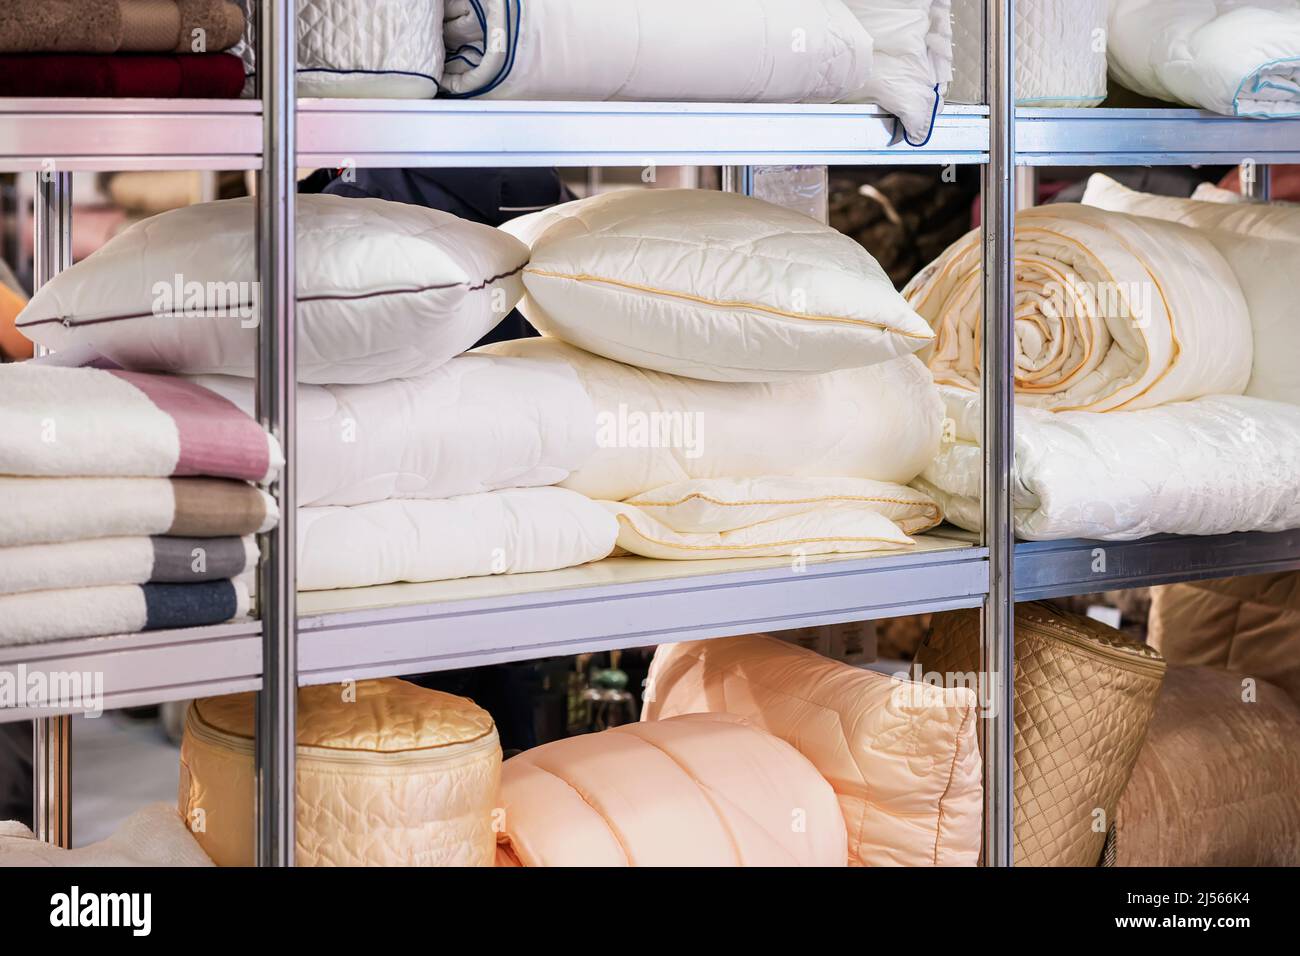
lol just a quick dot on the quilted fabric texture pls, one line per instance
(701, 790)
(389, 774)
(902, 757)
(1218, 781)
(1084, 695)
(380, 48)
(1060, 52)
(710, 285)
(719, 51)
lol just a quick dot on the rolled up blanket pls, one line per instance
(1111, 312)
(1236, 57)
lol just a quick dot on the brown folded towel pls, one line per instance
(61, 26)
(120, 26)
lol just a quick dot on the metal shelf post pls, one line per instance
(997, 630)
(276, 410)
(52, 736)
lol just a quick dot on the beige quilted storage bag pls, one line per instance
(1084, 695)
(389, 774)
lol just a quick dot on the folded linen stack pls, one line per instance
(415, 463)
(1154, 369)
(749, 370)
(144, 48)
(128, 503)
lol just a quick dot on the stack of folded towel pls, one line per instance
(129, 503)
(138, 48)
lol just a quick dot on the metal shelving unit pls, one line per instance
(320, 637)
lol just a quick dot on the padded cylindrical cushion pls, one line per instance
(1084, 694)
(1218, 781)
(389, 774)
(701, 790)
(902, 757)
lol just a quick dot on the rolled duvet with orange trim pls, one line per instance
(1112, 312)
(772, 517)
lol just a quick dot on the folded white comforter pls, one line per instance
(1214, 465)
(653, 429)
(895, 53)
(476, 424)
(1237, 57)
(502, 532)
(1112, 312)
(774, 51)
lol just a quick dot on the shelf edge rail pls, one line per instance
(277, 378)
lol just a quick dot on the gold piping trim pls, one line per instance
(583, 277)
(753, 547)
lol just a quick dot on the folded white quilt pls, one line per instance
(771, 517)
(1261, 243)
(503, 532)
(1238, 57)
(153, 836)
(1214, 465)
(774, 51)
(653, 429)
(1112, 312)
(476, 424)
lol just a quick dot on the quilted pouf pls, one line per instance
(1084, 695)
(389, 774)
(699, 790)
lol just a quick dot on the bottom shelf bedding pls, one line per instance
(1214, 465)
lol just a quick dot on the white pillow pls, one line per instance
(913, 62)
(385, 290)
(710, 285)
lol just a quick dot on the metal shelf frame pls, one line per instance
(286, 648)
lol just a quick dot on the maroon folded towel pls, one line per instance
(163, 75)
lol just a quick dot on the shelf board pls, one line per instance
(618, 603)
(111, 135)
(1166, 137)
(1046, 569)
(149, 668)
(386, 133)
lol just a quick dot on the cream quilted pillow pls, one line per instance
(710, 285)
(902, 758)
